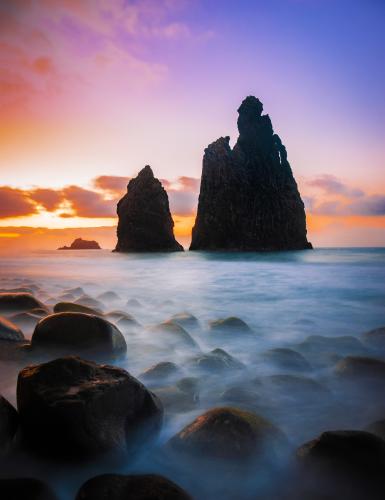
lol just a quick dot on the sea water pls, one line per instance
(284, 298)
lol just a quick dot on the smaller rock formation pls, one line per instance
(71, 408)
(78, 333)
(136, 487)
(80, 244)
(145, 222)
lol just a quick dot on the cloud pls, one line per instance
(50, 199)
(15, 203)
(330, 184)
(87, 203)
(369, 205)
(112, 183)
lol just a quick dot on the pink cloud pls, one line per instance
(15, 203)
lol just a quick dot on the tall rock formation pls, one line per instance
(249, 199)
(145, 222)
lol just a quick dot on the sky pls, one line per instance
(93, 90)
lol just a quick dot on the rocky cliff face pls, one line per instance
(145, 222)
(249, 199)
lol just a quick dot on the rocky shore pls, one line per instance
(191, 409)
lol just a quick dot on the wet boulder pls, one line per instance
(294, 387)
(109, 296)
(160, 372)
(186, 320)
(25, 488)
(173, 335)
(287, 359)
(347, 464)
(71, 408)
(9, 421)
(9, 331)
(74, 333)
(127, 323)
(377, 428)
(217, 360)
(133, 487)
(227, 434)
(76, 308)
(360, 367)
(231, 325)
(88, 301)
(18, 302)
(190, 385)
(375, 338)
(240, 395)
(345, 344)
(176, 400)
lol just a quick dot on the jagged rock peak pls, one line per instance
(249, 199)
(145, 222)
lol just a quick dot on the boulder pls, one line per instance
(249, 199)
(19, 302)
(145, 222)
(287, 359)
(71, 408)
(360, 367)
(76, 308)
(173, 335)
(160, 372)
(87, 301)
(108, 296)
(25, 488)
(345, 344)
(176, 400)
(133, 487)
(9, 421)
(377, 428)
(217, 360)
(9, 331)
(186, 320)
(375, 338)
(228, 434)
(74, 333)
(229, 325)
(347, 464)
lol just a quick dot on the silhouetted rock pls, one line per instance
(145, 222)
(25, 488)
(19, 302)
(80, 244)
(249, 199)
(9, 420)
(360, 367)
(228, 434)
(78, 333)
(72, 307)
(72, 408)
(10, 331)
(135, 487)
(377, 428)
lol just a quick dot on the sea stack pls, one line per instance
(249, 199)
(145, 222)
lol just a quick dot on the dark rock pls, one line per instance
(73, 408)
(349, 464)
(19, 302)
(189, 385)
(74, 333)
(10, 331)
(145, 222)
(375, 338)
(217, 360)
(248, 198)
(228, 434)
(173, 335)
(72, 307)
(77, 291)
(229, 325)
(9, 421)
(287, 359)
(87, 301)
(25, 488)
(127, 323)
(345, 344)
(176, 400)
(25, 320)
(160, 371)
(377, 428)
(108, 296)
(80, 244)
(135, 487)
(360, 367)
(240, 395)
(186, 320)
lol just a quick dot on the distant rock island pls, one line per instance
(145, 222)
(80, 244)
(249, 199)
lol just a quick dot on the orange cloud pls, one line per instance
(112, 183)
(15, 203)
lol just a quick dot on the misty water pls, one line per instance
(283, 297)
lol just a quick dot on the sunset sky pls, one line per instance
(93, 90)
